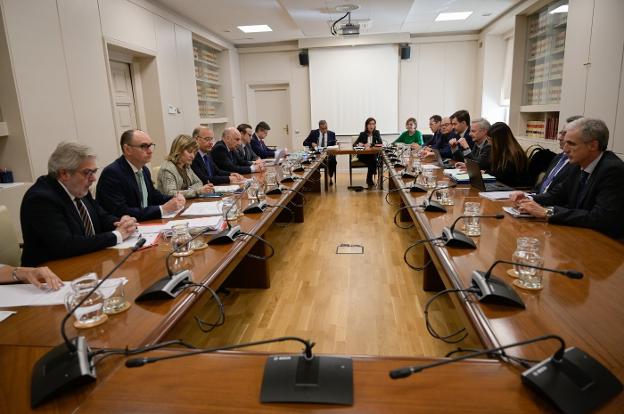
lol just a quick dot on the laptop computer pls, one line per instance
(441, 162)
(476, 179)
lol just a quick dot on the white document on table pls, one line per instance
(204, 209)
(150, 239)
(226, 188)
(6, 314)
(29, 295)
(495, 195)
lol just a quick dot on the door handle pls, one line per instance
(286, 129)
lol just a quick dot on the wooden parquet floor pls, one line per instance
(368, 304)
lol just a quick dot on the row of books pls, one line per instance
(543, 129)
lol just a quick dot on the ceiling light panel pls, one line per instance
(258, 28)
(447, 17)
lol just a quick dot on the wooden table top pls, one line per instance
(146, 322)
(204, 383)
(349, 150)
(588, 313)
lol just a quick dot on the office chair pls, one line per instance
(9, 245)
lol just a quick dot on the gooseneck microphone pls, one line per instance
(456, 238)
(571, 380)
(172, 284)
(68, 365)
(432, 205)
(492, 289)
(407, 371)
(228, 235)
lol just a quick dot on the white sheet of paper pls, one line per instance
(29, 295)
(204, 209)
(170, 215)
(6, 314)
(213, 221)
(495, 195)
(150, 239)
(226, 188)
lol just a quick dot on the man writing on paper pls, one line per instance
(125, 186)
(59, 216)
(323, 137)
(593, 195)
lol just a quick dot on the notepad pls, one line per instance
(204, 209)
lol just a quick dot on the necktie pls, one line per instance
(84, 216)
(323, 141)
(142, 188)
(208, 166)
(553, 173)
(580, 194)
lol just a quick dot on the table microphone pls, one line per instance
(572, 380)
(68, 365)
(432, 205)
(456, 238)
(494, 290)
(305, 378)
(172, 284)
(228, 235)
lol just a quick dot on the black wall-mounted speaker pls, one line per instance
(404, 50)
(303, 58)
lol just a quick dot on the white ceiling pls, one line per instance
(297, 19)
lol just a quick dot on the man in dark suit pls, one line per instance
(204, 166)
(257, 141)
(559, 168)
(593, 196)
(460, 121)
(440, 141)
(481, 151)
(323, 137)
(60, 218)
(244, 151)
(125, 186)
(224, 154)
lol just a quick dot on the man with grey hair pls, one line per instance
(593, 195)
(223, 154)
(481, 151)
(59, 216)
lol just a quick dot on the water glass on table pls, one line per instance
(90, 313)
(445, 194)
(430, 174)
(472, 225)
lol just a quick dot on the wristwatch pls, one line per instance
(550, 211)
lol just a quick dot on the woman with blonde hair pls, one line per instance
(176, 176)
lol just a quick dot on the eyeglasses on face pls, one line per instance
(144, 147)
(207, 139)
(447, 124)
(87, 173)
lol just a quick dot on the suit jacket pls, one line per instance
(440, 142)
(561, 176)
(363, 138)
(170, 181)
(482, 155)
(52, 227)
(218, 175)
(602, 204)
(259, 147)
(246, 153)
(315, 135)
(227, 160)
(118, 192)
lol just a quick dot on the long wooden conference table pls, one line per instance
(230, 381)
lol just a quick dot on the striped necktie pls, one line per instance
(84, 216)
(142, 188)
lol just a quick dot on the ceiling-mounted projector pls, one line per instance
(348, 28)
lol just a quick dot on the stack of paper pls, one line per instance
(226, 188)
(204, 209)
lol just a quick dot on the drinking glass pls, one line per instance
(271, 179)
(529, 278)
(472, 225)
(230, 208)
(430, 176)
(180, 237)
(115, 301)
(445, 195)
(90, 313)
(524, 246)
(252, 192)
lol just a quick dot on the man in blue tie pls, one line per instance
(204, 166)
(257, 141)
(559, 169)
(593, 195)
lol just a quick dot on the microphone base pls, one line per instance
(417, 188)
(434, 206)
(255, 207)
(287, 180)
(300, 169)
(61, 370)
(274, 191)
(495, 290)
(227, 236)
(457, 239)
(395, 160)
(399, 165)
(321, 380)
(576, 384)
(408, 175)
(166, 288)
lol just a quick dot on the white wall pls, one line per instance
(439, 78)
(59, 84)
